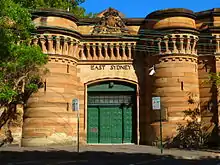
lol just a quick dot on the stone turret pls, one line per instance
(175, 59)
(49, 118)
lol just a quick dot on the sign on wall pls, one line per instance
(75, 104)
(111, 67)
(156, 103)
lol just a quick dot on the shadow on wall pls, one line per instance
(143, 61)
(209, 108)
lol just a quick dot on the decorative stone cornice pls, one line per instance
(62, 60)
(178, 59)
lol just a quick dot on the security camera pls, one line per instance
(152, 72)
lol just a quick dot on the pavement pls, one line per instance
(105, 155)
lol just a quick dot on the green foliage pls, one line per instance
(21, 64)
(71, 5)
(214, 78)
(189, 135)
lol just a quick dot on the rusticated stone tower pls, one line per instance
(49, 117)
(175, 60)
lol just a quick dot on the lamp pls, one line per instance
(152, 71)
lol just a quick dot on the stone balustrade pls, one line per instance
(177, 44)
(106, 50)
(59, 45)
(62, 45)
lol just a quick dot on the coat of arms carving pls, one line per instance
(111, 22)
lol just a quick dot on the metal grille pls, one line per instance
(109, 99)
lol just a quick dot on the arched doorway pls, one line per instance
(111, 113)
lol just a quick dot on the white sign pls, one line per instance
(156, 103)
(75, 104)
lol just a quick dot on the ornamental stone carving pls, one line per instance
(111, 22)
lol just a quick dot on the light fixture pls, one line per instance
(152, 71)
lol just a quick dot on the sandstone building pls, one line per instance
(104, 62)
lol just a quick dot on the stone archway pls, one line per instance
(111, 112)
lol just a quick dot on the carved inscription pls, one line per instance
(110, 67)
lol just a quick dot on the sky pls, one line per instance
(141, 8)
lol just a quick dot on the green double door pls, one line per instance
(110, 123)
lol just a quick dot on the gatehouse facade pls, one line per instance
(105, 63)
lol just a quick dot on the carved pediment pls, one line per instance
(110, 23)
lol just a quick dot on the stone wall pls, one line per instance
(169, 40)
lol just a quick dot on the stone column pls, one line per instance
(89, 57)
(182, 50)
(159, 45)
(100, 56)
(94, 51)
(124, 57)
(65, 46)
(50, 44)
(194, 45)
(58, 48)
(129, 50)
(188, 47)
(111, 45)
(106, 52)
(118, 56)
(35, 40)
(173, 38)
(71, 48)
(43, 46)
(166, 40)
(83, 57)
(76, 49)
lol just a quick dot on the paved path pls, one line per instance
(105, 155)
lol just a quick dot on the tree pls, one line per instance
(21, 64)
(70, 5)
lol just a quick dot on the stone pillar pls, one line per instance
(166, 40)
(173, 38)
(124, 57)
(182, 50)
(94, 51)
(43, 46)
(118, 56)
(100, 56)
(188, 46)
(159, 45)
(50, 44)
(106, 51)
(35, 40)
(71, 48)
(65, 46)
(89, 57)
(111, 45)
(129, 51)
(58, 48)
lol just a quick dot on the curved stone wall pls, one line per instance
(176, 82)
(49, 118)
(175, 61)
(171, 18)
